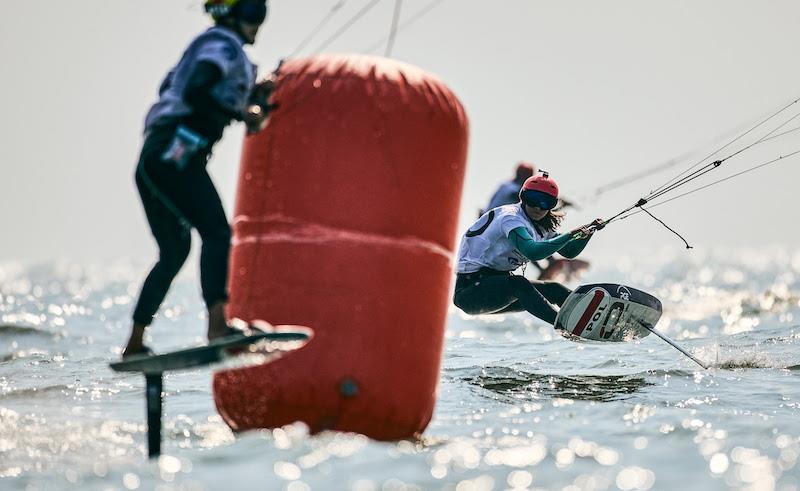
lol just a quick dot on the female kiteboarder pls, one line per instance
(505, 238)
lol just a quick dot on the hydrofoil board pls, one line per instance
(608, 312)
(214, 352)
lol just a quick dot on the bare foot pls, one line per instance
(136, 350)
(135, 344)
(217, 324)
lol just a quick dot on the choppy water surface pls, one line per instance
(519, 407)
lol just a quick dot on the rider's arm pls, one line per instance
(574, 247)
(533, 249)
(197, 93)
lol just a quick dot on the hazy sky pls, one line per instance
(590, 90)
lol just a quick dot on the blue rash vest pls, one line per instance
(223, 48)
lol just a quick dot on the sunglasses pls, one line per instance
(539, 200)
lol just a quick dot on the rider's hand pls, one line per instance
(266, 84)
(263, 90)
(598, 224)
(255, 118)
(587, 230)
(582, 232)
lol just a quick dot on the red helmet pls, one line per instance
(540, 191)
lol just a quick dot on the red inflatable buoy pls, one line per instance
(345, 222)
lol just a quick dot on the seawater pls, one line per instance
(519, 407)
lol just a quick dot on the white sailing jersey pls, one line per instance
(486, 243)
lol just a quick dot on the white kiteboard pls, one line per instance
(608, 312)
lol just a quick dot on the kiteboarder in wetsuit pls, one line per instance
(213, 84)
(505, 238)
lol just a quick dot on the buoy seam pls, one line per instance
(315, 233)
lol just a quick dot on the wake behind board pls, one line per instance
(214, 352)
(608, 312)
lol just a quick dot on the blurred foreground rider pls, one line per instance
(213, 84)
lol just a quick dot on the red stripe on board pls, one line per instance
(587, 314)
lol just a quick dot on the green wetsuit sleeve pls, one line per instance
(574, 247)
(536, 250)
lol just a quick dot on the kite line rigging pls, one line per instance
(696, 171)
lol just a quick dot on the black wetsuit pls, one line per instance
(489, 291)
(175, 201)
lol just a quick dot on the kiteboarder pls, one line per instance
(506, 238)
(213, 84)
